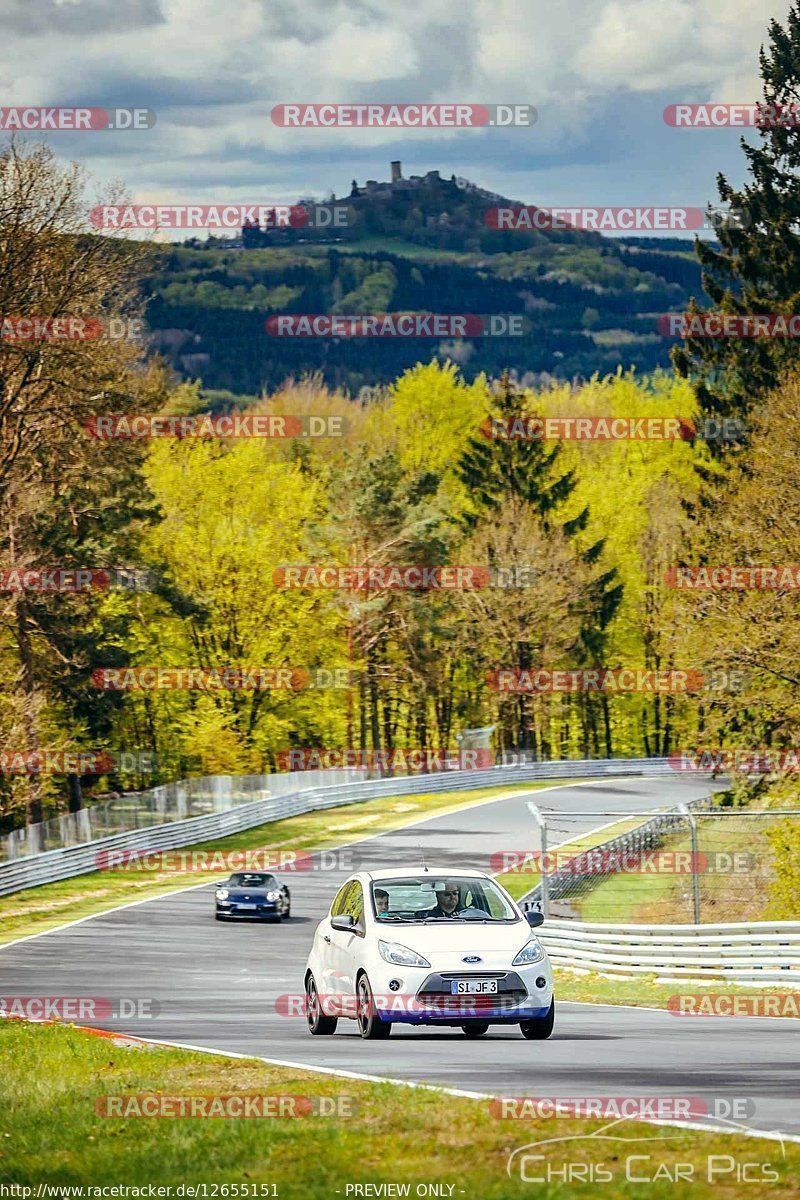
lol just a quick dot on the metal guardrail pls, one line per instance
(52, 865)
(676, 953)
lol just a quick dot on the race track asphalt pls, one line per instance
(217, 984)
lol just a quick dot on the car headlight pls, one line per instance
(532, 952)
(401, 956)
(273, 895)
(222, 894)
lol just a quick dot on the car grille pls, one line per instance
(511, 991)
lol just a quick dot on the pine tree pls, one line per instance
(525, 469)
(756, 268)
(494, 468)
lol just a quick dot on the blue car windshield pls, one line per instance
(252, 881)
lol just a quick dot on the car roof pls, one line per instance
(433, 872)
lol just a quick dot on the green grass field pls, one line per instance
(54, 1078)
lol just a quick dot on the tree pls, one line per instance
(521, 471)
(757, 266)
(750, 634)
(55, 267)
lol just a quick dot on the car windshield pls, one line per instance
(251, 881)
(431, 897)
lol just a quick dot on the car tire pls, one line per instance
(476, 1029)
(540, 1027)
(287, 912)
(318, 1024)
(218, 917)
(369, 1023)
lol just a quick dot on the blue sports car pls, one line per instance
(254, 896)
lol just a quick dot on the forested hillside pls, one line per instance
(591, 305)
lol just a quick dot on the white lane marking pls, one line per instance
(771, 1135)
(344, 846)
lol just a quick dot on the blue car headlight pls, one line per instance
(222, 894)
(532, 952)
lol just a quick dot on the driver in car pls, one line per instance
(447, 900)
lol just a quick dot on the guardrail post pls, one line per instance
(541, 821)
(684, 809)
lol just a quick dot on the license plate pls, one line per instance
(252, 906)
(473, 987)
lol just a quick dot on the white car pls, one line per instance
(427, 947)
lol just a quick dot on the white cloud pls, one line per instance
(214, 73)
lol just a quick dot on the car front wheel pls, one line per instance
(318, 1023)
(370, 1024)
(476, 1028)
(540, 1027)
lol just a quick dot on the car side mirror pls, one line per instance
(344, 922)
(534, 919)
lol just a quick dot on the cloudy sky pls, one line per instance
(599, 72)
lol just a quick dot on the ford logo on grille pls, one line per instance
(472, 958)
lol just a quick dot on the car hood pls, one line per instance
(445, 943)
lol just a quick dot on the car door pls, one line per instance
(330, 947)
(350, 943)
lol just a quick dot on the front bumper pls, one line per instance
(524, 994)
(228, 908)
(494, 1016)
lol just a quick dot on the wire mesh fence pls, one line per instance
(161, 806)
(698, 863)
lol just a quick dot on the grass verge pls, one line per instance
(523, 878)
(51, 1134)
(646, 993)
